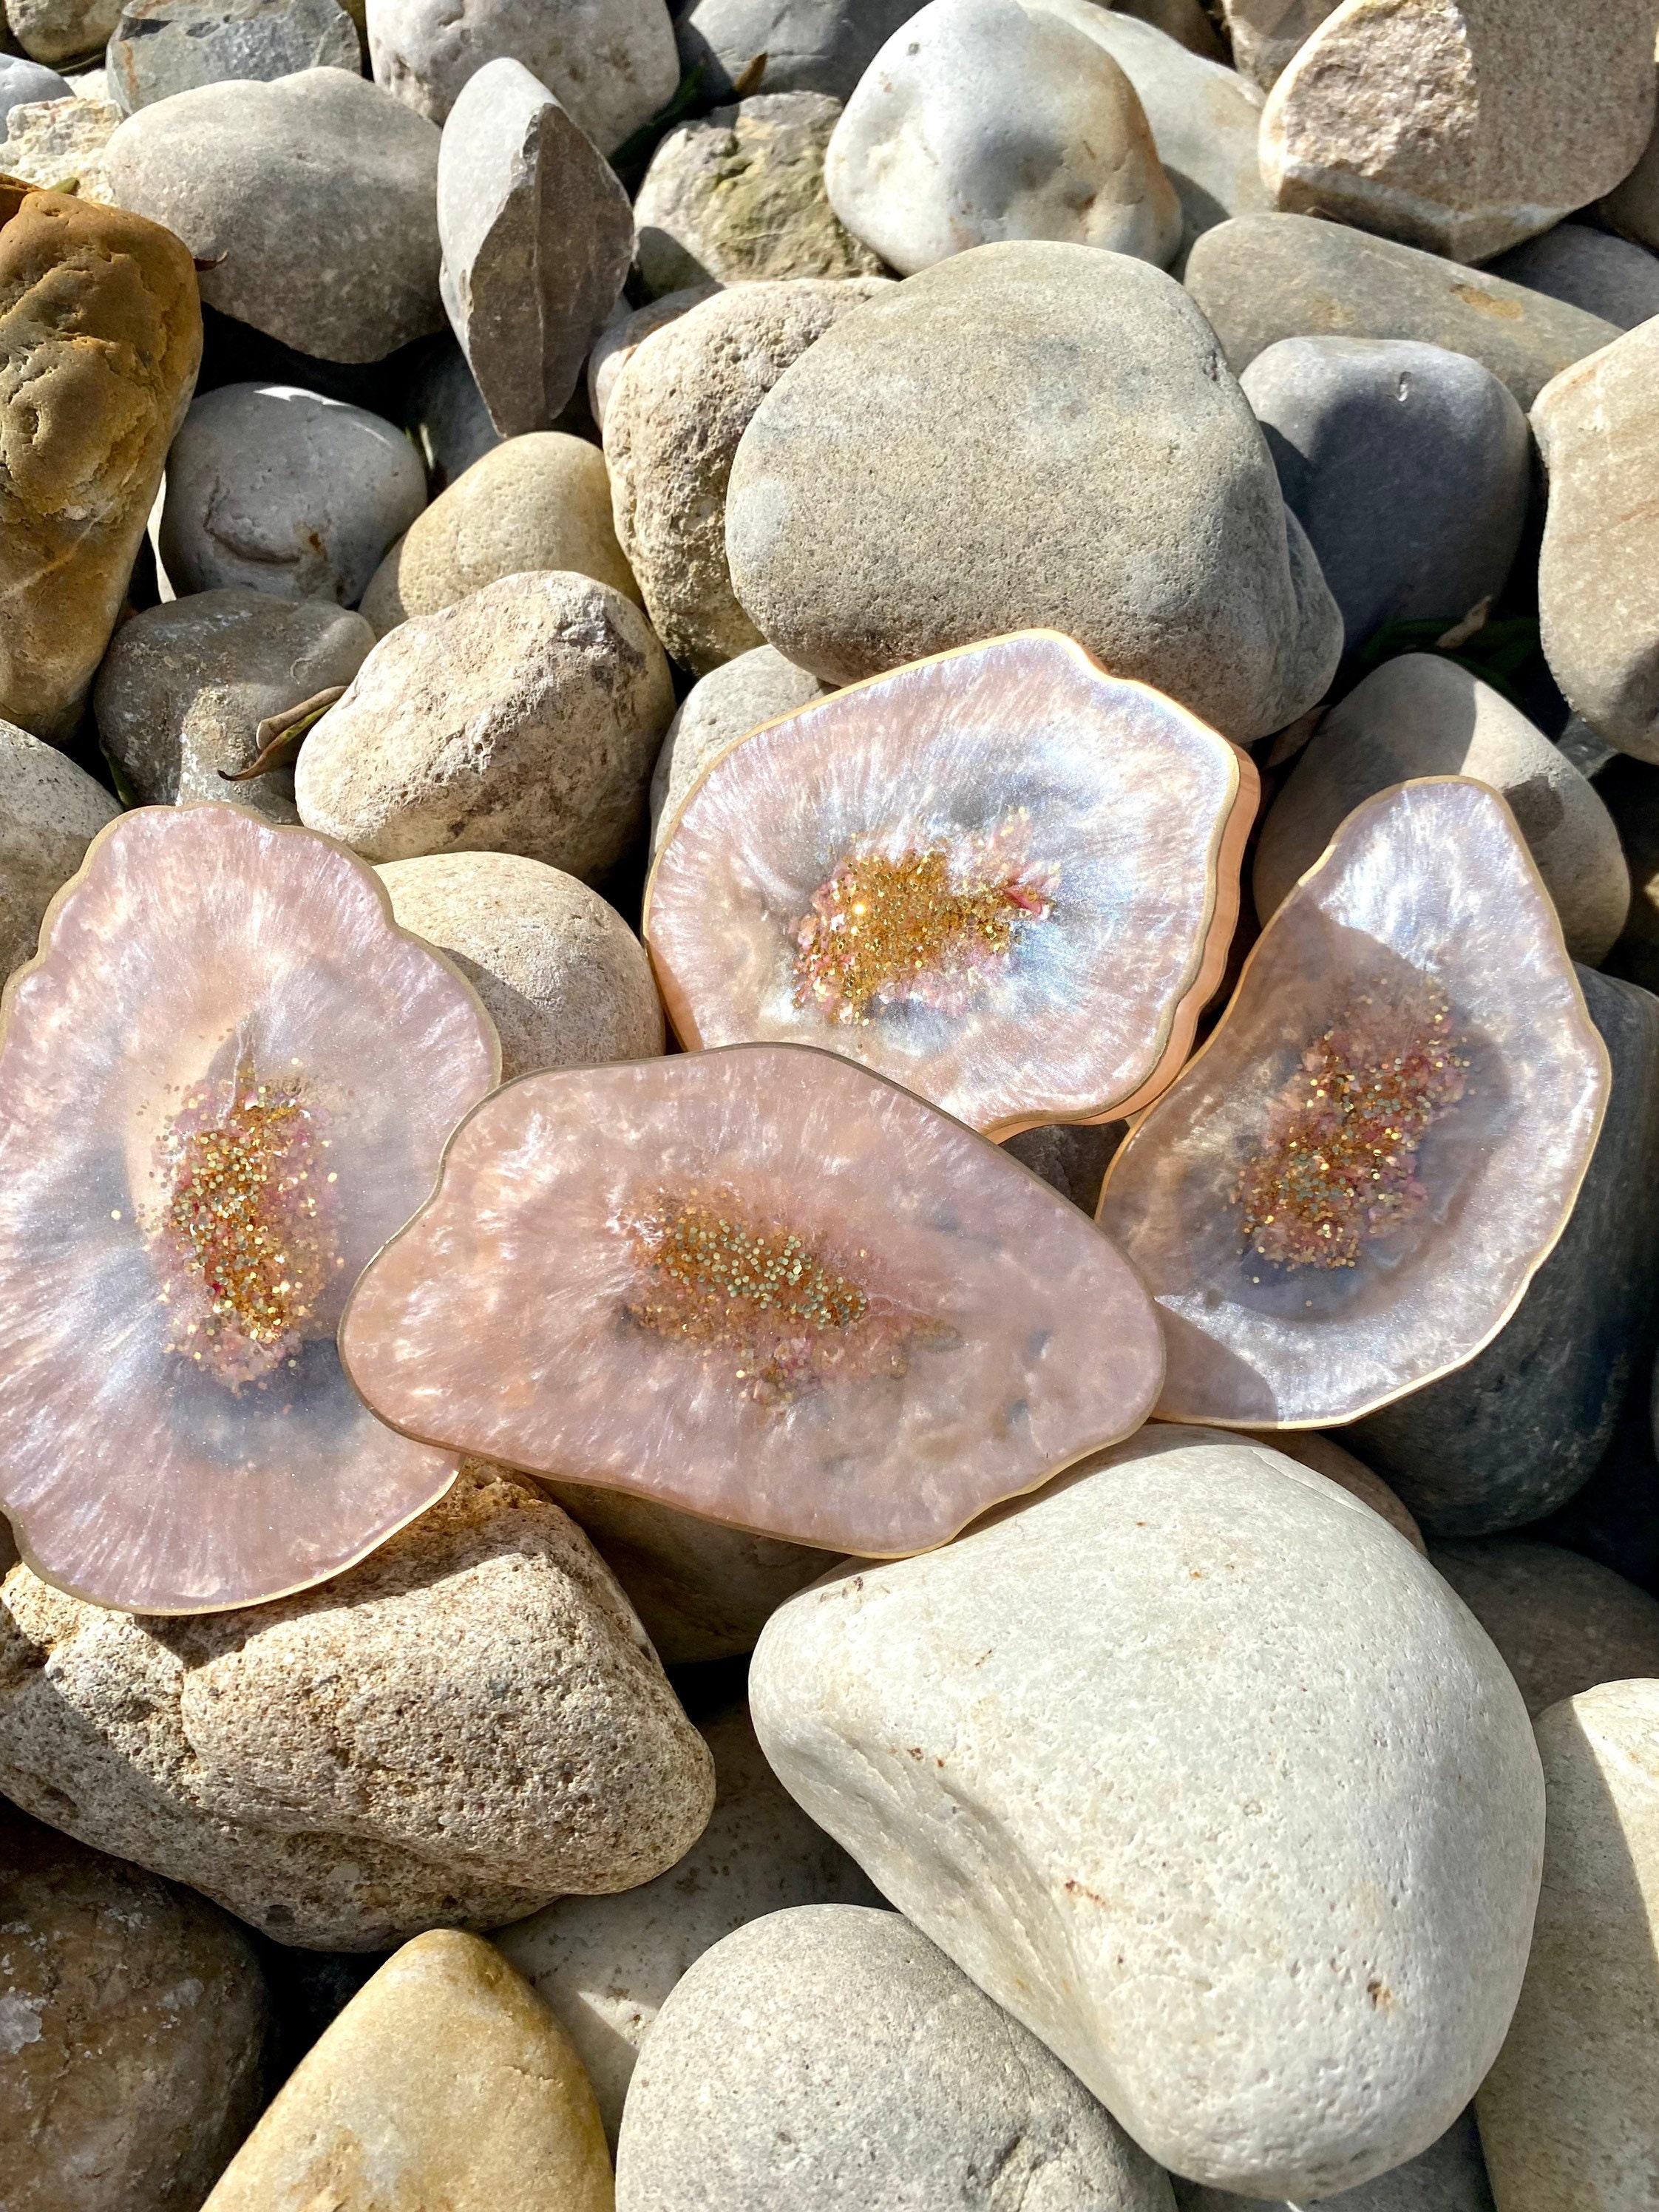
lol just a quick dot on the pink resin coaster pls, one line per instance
(1347, 1192)
(761, 1285)
(224, 1082)
(1002, 877)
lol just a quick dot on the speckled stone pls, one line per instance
(160, 47)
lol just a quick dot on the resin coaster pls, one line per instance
(1002, 877)
(1347, 1192)
(225, 1080)
(760, 1284)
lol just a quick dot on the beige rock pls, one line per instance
(675, 415)
(444, 2083)
(1632, 207)
(1597, 427)
(1462, 126)
(725, 705)
(132, 2020)
(48, 142)
(562, 976)
(1265, 34)
(1562, 1624)
(59, 30)
(463, 1727)
(50, 812)
(1307, 1448)
(524, 718)
(1570, 2112)
(539, 501)
(100, 325)
(629, 327)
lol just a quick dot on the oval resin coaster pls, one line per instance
(1002, 877)
(1347, 1192)
(761, 1285)
(225, 1080)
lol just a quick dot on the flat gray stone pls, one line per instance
(22, 80)
(1562, 1623)
(1450, 2176)
(162, 47)
(538, 235)
(720, 708)
(1612, 277)
(809, 45)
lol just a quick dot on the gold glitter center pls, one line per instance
(1338, 1166)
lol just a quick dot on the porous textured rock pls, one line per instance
(444, 2082)
(1563, 1622)
(537, 236)
(185, 687)
(462, 1728)
(23, 82)
(160, 47)
(720, 708)
(982, 120)
(1265, 34)
(60, 31)
(314, 198)
(1570, 2113)
(132, 2020)
(809, 45)
(1060, 446)
(1611, 277)
(50, 812)
(605, 1965)
(1597, 427)
(1263, 277)
(284, 491)
(564, 694)
(1198, 1768)
(629, 327)
(1450, 2176)
(830, 2056)
(562, 976)
(676, 415)
(1462, 126)
(1424, 715)
(100, 325)
(49, 142)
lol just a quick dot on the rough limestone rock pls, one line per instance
(463, 1728)
(562, 976)
(605, 1965)
(1424, 715)
(185, 687)
(739, 194)
(1265, 34)
(60, 31)
(627, 328)
(162, 47)
(282, 490)
(610, 63)
(1563, 1622)
(828, 2057)
(314, 197)
(539, 501)
(564, 694)
(809, 45)
(1632, 207)
(676, 416)
(49, 142)
(1199, 1769)
(131, 2018)
(720, 708)
(23, 82)
(1450, 2176)
(444, 412)
(1030, 435)
(980, 121)
(1569, 2114)
(1608, 276)
(1597, 427)
(100, 325)
(1264, 277)
(50, 812)
(537, 236)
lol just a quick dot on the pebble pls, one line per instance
(1569, 2114)
(162, 47)
(1409, 467)
(564, 695)
(444, 2082)
(60, 31)
(1424, 715)
(1022, 400)
(1450, 2176)
(739, 196)
(462, 1728)
(605, 1965)
(445, 414)
(51, 142)
(539, 501)
(757, 686)
(1562, 1623)
(1461, 130)
(676, 415)
(284, 491)
(314, 197)
(185, 687)
(809, 45)
(829, 2056)
(24, 82)
(50, 812)
(1265, 34)
(1597, 428)
(1607, 276)
(628, 328)
(132, 2020)
(980, 121)
(1263, 277)
(537, 236)
(1232, 1804)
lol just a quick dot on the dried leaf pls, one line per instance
(280, 737)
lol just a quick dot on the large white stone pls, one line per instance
(1195, 1765)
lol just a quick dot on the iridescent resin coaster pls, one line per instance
(224, 1082)
(1002, 877)
(761, 1285)
(1347, 1192)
